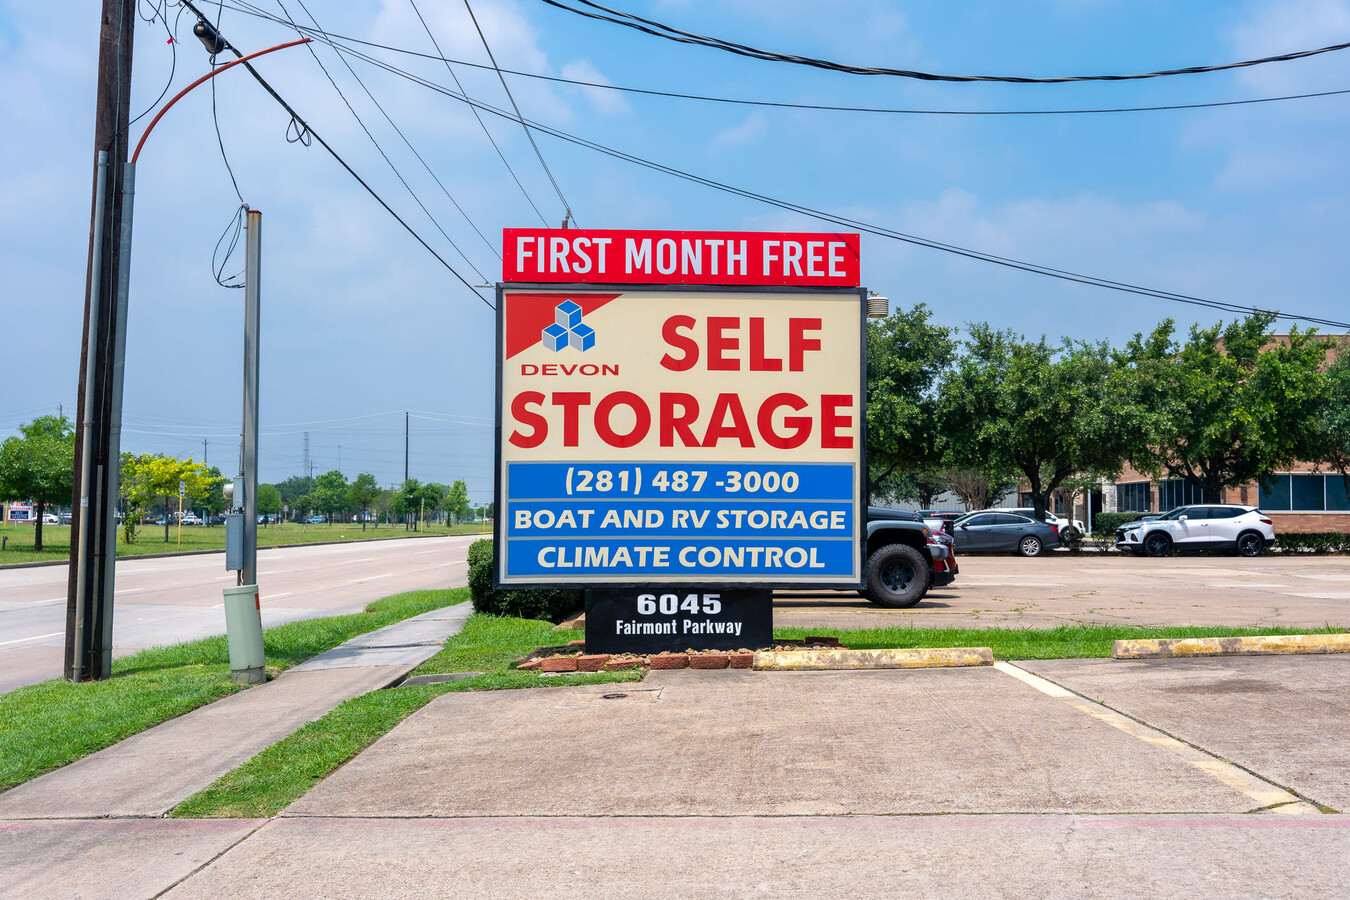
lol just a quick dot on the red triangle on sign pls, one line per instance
(527, 315)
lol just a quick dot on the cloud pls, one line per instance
(1281, 26)
(602, 101)
(748, 132)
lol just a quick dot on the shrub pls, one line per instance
(1106, 523)
(552, 605)
(1071, 539)
(1314, 542)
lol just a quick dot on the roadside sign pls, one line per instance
(681, 434)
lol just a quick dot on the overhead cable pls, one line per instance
(567, 207)
(878, 230)
(399, 175)
(350, 171)
(474, 110)
(779, 104)
(657, 29)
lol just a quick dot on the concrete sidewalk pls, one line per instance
(152, 772)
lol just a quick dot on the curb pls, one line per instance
(128, 558)
(1266, 645)
(916, 658)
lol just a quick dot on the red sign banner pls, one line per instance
(596, 256)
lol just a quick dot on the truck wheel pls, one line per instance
(897, 576)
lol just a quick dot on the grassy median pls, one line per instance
(150, 538)
(285, 771)
(1064, 642)
(48, 725)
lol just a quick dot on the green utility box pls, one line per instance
(243, 629)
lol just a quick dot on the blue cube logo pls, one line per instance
(568, 330)
(555, 337)
(581, 337)
(568, 314)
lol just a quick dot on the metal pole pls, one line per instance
(405, 445)
(113, 475)
(112, 104)
(252, 322)
(87, 446)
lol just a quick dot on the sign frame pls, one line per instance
(500, 520)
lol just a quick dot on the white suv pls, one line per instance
(1244, 529)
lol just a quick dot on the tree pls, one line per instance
(210, 496)
(906, 354)
(383, 506)
(1048, 413)
(1333, 430)
(38, 465)
(362, 493)
(456, 500)
(408, 501)
(293, 488)
(330, 493)
(269, 500)
(1229, 406)
(975, 486)
(429, 499)
(155, 477)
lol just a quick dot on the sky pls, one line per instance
(363, 329)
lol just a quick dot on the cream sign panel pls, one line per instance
(698, 436)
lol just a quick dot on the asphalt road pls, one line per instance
(173, 599)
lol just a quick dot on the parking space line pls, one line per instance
(1265, 794)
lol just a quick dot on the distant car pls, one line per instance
(1211, 526)
(51, 519)
(1059, 521)
(264, 519)
(189, 519)
(315, 520)
(65, 518)
(996, 531)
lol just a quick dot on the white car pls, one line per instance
(189, 519)
(1059, 522)
(1209, 526)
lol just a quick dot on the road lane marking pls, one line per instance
(38, 638)
(278, 596)
(373, 577)
(1265, 794)
(129, 590)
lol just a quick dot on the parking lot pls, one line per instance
(1059, 588)
(1221, 777)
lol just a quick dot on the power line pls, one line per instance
(845, 221)
(482, 37)
(667, 32)
(481, 123)
(350, 171)
(780, 104)
(406, 141)
(390, 162)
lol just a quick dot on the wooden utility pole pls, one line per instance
(88, 616)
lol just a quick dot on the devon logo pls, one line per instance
(568, 330)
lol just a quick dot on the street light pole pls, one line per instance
(252, 320)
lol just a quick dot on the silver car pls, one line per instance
(1209, 526)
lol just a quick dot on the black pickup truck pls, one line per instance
(904, 558)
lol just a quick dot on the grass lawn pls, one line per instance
(1064, 642)
(150, 538)
(279, 775)
(45, 726)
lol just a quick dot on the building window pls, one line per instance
(1309, 493)
(1134, 497)
(1305, 493)
(1274, 494)
(1177, 492)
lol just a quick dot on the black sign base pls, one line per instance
(656, 619)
